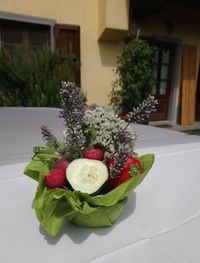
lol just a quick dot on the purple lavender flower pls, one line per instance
(120, 158)
(142, 112)
(73, 114)
(72, 103)
(48, 136)
(138, 115)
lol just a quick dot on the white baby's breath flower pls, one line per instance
(111, 131)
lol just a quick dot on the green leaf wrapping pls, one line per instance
(53, 206)
(35, 169)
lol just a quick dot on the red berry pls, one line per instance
(62, 164)
(94, 154)
(124, 175)
(56, 178)
(131, 160)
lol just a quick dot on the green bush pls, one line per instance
(33, 79)
(134, 75)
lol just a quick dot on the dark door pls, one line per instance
(163, 69)
(68, 41)
(198, 99)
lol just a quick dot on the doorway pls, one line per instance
(163, 73)
(198, 98)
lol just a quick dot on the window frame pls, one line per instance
(53, 31)
(31, 20)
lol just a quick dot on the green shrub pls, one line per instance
(134, 75)
(34, 79)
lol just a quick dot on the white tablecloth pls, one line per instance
(160, 224)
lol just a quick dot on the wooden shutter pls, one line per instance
(188, 84)
(67, 39)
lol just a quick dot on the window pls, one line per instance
(162, 69)
(163, 73)
(67, 40)
(33, 33)
(29, 36)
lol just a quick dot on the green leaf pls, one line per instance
(102, 216)
(134, 170)
(34, 79)
(35, 169)
(47, 154)
(91, 136)
(53, 206)
(134, 73)
(120, 192)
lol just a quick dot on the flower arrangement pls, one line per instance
(86, 177)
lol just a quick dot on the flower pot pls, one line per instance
(54, 206)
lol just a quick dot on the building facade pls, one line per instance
(174, 27)
(79, 23)
(94, 30)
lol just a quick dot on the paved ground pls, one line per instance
(20, 131)
(177, 127)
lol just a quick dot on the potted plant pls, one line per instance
(85, 178)
(134, 75)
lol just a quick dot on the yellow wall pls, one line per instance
(113, 19)
(117, 14)
(101, 16)
(98, 58)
